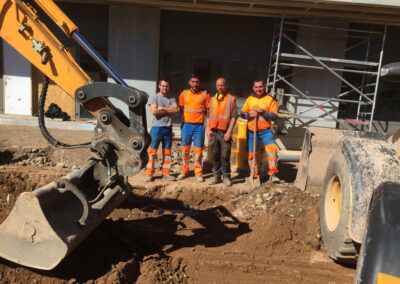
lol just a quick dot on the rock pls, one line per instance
(315, 244)
(258, 195)
(9, 198)
(243, 191)
(318, 236)
(279, 190)
(265, 195)
(35, 150)
(314, 195)
(238, 213)
(259, 200)
(262, 207)
(291, 200)
(39, 160)
(60, 165)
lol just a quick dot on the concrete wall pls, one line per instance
(318, 83)
(133, 46)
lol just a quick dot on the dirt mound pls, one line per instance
(178, 232)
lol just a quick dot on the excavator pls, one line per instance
(45, 225)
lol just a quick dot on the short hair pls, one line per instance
(259, 80)
(165, 80)
(194, 75)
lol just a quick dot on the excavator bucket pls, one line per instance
(319, 145)
(48, 223)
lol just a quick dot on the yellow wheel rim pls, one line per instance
(333, 203)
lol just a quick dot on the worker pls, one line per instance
(162, 107)
(221, 121)
(263, 106)
(194, 104)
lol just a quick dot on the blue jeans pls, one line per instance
(161, 134)
(195, 131)
(265, 136)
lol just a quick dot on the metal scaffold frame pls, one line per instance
(368, 69)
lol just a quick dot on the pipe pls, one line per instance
(99, 60)
(289, 158)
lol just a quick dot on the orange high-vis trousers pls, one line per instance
(272, 155)
(198, 158)
(166, 165)
(255, 169)
(152, 159)
(167, 162)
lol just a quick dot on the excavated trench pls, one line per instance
(181, 232)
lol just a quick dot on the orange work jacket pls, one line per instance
(266, 103)
(194, 106)
(220, 112)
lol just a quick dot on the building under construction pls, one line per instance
(321, 58)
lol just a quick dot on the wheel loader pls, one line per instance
(45, 225)
(357, 175)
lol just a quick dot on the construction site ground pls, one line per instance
(174, 232)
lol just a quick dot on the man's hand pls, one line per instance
(253, 113)
(256, 109)
(227, 136)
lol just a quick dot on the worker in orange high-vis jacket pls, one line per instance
(194, 104)
(222, 118)
(162, 107)
(263, 106)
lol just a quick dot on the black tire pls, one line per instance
(335, 211)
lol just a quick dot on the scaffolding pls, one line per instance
(288, 59)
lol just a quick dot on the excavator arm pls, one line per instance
(48, 223)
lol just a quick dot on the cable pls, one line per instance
(42, 125)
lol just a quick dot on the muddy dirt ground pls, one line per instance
(174, 232)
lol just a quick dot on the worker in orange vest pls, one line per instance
(263, 106)
(222, 118)
(162, 106)
(194, 104)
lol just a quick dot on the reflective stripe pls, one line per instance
(166, 166)
(151, 158)
(211, 109)
(167, 158)
(194, 110)
(197, 157)
(228, 105)
(226, 115)
(271, 163)
(185, 155)
(150, 165)
(261, 119)
(203, 107)
(186, 162)
(273, 155)
(197, 164)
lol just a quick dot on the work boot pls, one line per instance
(199, 179)
(149, 178)
(273, 178)
(227, 181)
(181, 176)
(169, 177)
(215, 180)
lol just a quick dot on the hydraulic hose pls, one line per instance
(42, 125)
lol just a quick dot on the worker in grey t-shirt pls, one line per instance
(162, 107)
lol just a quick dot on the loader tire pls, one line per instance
(335, 211)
